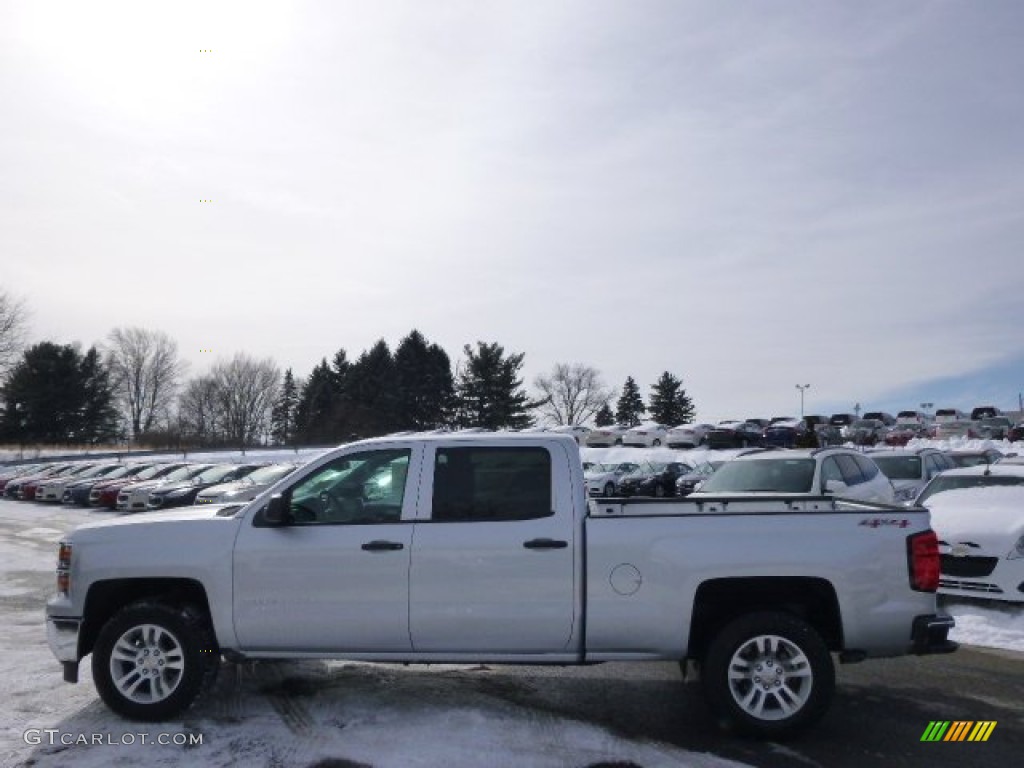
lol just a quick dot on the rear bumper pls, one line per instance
(929, 634)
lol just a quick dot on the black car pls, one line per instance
(686, 483)
(653, 479)
(184, 493)
(735, 435)
(788, 433)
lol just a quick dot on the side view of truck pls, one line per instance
(484, 548)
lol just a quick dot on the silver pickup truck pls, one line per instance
(482, 548)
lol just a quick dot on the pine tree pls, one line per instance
(98, 412)
(425, 387)
(316, 412)
(670, 405)
(282, 417)
(490, 391)
(371, 392)
(604, 417)
(630, 407)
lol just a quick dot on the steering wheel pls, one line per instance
(343, 509)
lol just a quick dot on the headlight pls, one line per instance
(1018, 550)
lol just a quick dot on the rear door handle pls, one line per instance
(545, 544)
(383, 546)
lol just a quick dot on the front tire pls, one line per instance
(769, 674)
(151, 660)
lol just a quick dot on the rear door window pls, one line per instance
(852, 474)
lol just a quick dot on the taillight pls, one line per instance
(923, 560)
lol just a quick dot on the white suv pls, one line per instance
(819, 472)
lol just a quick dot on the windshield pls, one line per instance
(774, 475)
(943, 483)
(649, 468)
(269, 474)
(899, 467)
(215, 474)
(186, 473)
(969, 459)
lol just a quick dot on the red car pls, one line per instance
(902, 434)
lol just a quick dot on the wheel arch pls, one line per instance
(720, 601)
(106, 598)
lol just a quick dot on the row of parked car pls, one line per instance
(976, 497)
(138, 486)
(874, 428)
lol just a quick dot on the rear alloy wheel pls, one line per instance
(152, 660)
(769, 674)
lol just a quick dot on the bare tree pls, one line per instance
(246, 391)
(13, 321)
(199, 411)
(572, 394)
(146, 370)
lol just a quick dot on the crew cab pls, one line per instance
(483, 548)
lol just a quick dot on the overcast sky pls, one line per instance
(750, 195)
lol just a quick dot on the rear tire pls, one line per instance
(152, 660)
(769, 674)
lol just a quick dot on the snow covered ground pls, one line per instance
(333, 714)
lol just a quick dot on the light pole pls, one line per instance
(802, 387)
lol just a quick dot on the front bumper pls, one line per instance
(62, 636)
(929, 634)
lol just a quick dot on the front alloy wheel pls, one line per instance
(769, 673)
(152, 660)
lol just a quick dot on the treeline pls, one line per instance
(133, 387)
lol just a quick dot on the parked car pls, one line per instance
(995, 428)
(946, 415)
(785, 433)
(21, 470)
(734, 434)
(78, 492)
(687, 435)
(841, 419)
(649, 435)
(985, 412)
(104, 493)
(978, 514)
(842, 472)
(576, 430)
(606, 437)
(13, 487)
(248, 487)
(655, 478)
(686, 483)
(52, 489)
(974, 458)
(886, 418)
(903, 433)
(133, 497)
(1016, 433)
(603, 479)
(183, 494)
(957, 430)
(914, 417)
(828, 434)
(26, 488)
(910, 470)
(865, 432)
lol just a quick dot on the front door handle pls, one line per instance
(383, 546)
(545, 544)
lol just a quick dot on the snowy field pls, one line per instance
(311, 714)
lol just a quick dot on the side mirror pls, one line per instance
(277, 511)
(834, 486)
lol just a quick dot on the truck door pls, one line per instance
(493, 554)
(335, 578)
